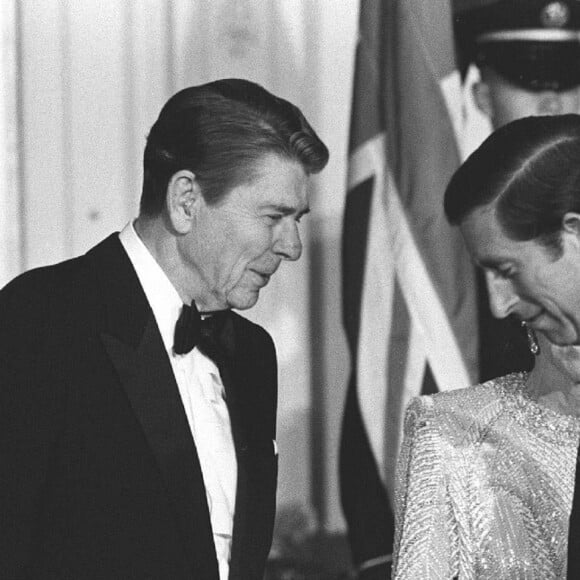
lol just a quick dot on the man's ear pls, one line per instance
(571, 224)
(183, 195)
(482, 97)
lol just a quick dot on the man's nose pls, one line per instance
(550, 104)
(288, 244)
(502, 298)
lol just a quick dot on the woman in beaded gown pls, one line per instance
(486, 474)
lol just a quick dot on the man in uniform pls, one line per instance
(528, 56)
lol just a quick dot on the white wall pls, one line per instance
(93, 75)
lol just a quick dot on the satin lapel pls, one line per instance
(135, 347)
(250, 382)
(148, 380)
(229, 371)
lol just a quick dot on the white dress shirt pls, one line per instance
(202, 394)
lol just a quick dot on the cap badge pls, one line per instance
(555, 15)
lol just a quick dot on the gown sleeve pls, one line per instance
(425, 542)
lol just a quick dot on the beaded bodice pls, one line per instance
(484, 485)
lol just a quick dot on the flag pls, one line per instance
(409, 298)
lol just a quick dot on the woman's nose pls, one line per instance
(502, 298)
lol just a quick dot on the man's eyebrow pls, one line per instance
(287, 209)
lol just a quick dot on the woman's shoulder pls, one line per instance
(470, 409)
(472, 398)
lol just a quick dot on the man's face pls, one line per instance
(527, 279)
(507, 102)
(237, 244)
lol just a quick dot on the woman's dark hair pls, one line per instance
(219, 131)
(530, 170)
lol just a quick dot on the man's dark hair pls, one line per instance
(530, 170)
(219, 131)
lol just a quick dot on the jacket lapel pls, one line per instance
(229, 370)
(134, 345)
(250, 382)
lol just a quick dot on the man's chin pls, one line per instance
(243, 300)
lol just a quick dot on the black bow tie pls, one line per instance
(212, 334)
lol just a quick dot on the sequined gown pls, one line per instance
(484, 485)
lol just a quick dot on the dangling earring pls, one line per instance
(533, 343)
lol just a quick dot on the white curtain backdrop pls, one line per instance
(10, 250)
(82, 82)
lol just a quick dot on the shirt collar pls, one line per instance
(161, 293)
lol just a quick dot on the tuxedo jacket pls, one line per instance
(99, 474)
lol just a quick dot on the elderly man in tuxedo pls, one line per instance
(137, 410)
